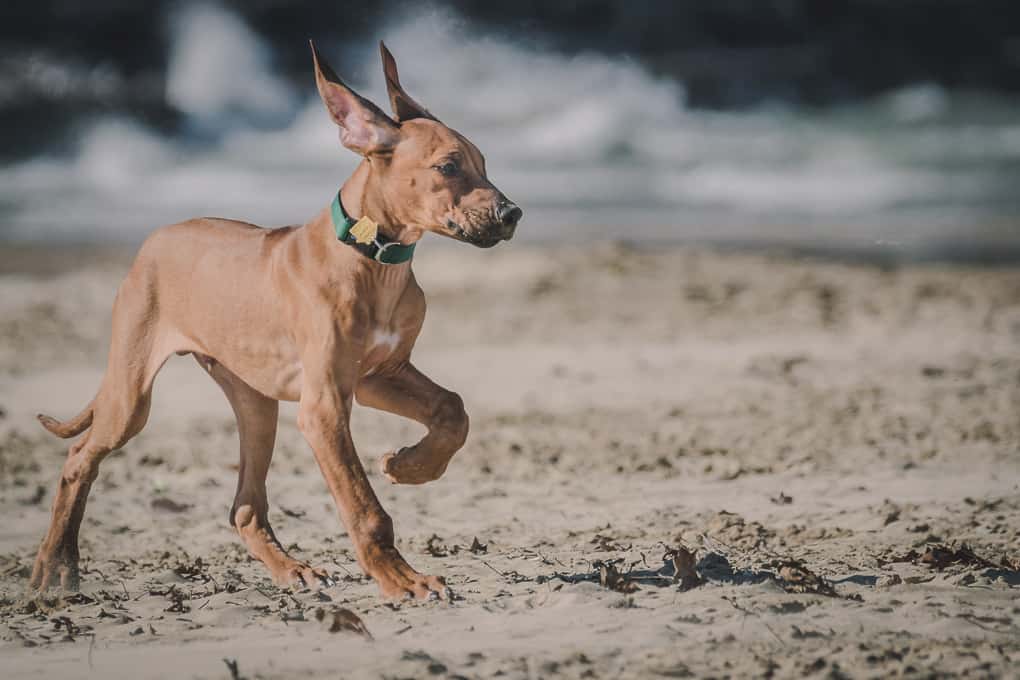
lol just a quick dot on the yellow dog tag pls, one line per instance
(365, 230)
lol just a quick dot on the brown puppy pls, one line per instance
(319, 314)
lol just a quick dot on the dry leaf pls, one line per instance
(684, 567)
(436, 547)
(796, 578)
(343, 620)
(939, 557)
(611, 578)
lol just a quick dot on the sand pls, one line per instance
(859, 423)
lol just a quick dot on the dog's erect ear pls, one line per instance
(404, 108)
(364, 129)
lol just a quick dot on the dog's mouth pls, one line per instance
(485, 239)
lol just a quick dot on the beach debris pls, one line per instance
(685, 570)
(435, 546)
(605, 543)
(611, 578)
(794, 577)
(166, 504)
(192, 571)
(64, 623)
(938, 556)
(235, 673)
(433, 665)
(177, 601)
(77, 598)
(512, 576)
(341, 619)
(890, 511)
(782, 499)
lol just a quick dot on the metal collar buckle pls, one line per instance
(382, 249)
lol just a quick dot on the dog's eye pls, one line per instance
(448, 169)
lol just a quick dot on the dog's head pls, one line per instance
(428, 177)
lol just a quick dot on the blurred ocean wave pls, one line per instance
(591, 146)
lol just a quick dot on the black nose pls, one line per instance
(509, 214)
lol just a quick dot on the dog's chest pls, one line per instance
(382, 342)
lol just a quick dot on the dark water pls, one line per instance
(613, 143)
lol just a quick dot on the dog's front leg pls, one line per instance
(323, 417)
(406, 391)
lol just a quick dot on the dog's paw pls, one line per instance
(416, 587)
(399, 581)
(300, 575)
(404, 467)
(53, 570)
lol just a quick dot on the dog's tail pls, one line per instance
(68, 429)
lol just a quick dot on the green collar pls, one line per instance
(380, 249)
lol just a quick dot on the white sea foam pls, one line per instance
(219, 70)
(587, 144)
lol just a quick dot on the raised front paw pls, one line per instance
(409, 466)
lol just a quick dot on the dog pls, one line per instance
(321, 314)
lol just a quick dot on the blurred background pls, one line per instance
(857, 126)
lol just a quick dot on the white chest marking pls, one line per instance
(384, 339)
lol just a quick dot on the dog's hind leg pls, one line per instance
(119, 412)
(409, 393)
(256, 427)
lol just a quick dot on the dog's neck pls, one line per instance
(361, 196)
(358, 199)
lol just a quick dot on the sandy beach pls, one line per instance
(837, 444)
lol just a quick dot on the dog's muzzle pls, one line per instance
(507, 216)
